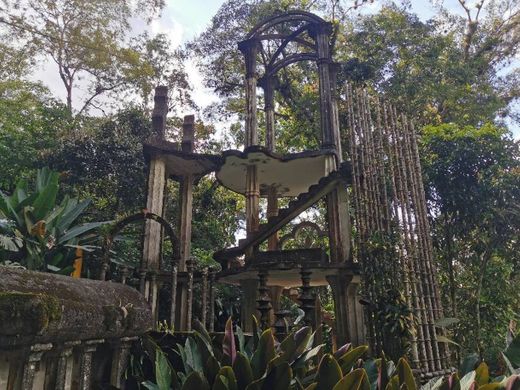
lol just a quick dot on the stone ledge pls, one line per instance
(41, 308)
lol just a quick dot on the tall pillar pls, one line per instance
(347, 309)
(157, 176)
(252, 202)
(186, 194)
(249, 289)
(326, 112)
(333, 70)
(338, 220)
(267, 83)
(249, 48)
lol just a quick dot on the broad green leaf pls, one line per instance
(342, 350)
(163, 374)
(46, 198)
(349, 359)
(70, 217)
(241, 340)
(263, 354)
(243, 371)
(150, 385)
(225, 379)
(404, 371)
(329, 373)
(77, 231)
(211, 369)
(195, 381)
(295, 344)
(355, 380)
(393, 384)
(278, 378)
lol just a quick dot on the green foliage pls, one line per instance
(31, 125)
(47, 231)
(86, 40)
(472, 180)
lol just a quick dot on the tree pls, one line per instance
(424, 67)
(105, 163)
(472, 178)
(31, 124)
(87, 40)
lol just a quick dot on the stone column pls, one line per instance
(154, 204)
(185, 220)
(323, 32)
(157, 175)
(186, 194)
(275, 292)
(64, 371)
(252, 202)
(32, 364)
(264, 300)
(85, 363)
(249, 48)
(348, 311)
(249, 289)
(307, 298)
(120, 356)
(267, 84)
(333, 70)
(338, 220)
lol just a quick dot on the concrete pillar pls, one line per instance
(249, 289)
(32, 364)
(326, 112)
(157, 175)
(249, 49)
(82, 380)
(120, 356)
(64, 369)
(348, 311)
(338, 219)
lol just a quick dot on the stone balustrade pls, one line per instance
(57, 332)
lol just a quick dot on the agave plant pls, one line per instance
(46, 234)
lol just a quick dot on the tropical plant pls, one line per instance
(45, 233)
(262, 363)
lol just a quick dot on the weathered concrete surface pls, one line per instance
(39, 308)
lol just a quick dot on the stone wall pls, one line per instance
(57, 332)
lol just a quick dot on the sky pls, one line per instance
(182, 20)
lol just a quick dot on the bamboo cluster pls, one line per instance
(392, 235)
